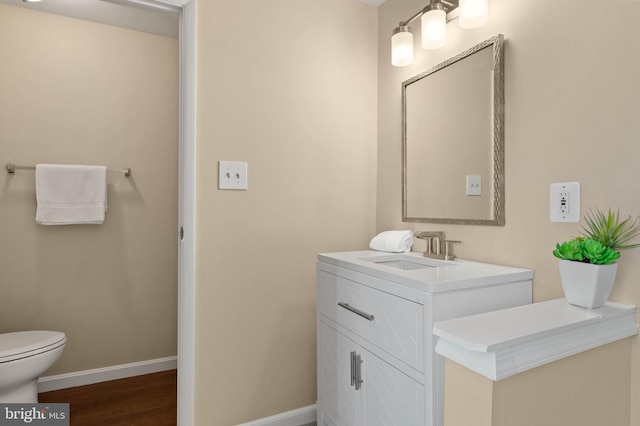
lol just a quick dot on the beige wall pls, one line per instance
(79, 92)
(289, 87)
(572, 102)
(586, 389)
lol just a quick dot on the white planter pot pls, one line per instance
(585, 284)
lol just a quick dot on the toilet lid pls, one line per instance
(22, 344)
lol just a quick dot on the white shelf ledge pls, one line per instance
(503, 343)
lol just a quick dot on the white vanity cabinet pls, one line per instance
(376, 359)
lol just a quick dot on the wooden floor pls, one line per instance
(143, 400)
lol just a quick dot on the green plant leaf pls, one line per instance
(586, 250)
(570, 250)
(609, 230)
(597, 253)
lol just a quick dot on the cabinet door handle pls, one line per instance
(353, 368)
(356, 311)
(358, 372)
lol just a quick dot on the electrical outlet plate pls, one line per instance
(474, 185)
(564, 202)
(232, 175)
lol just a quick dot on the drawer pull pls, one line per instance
(353, 368)
(356, 311)
(359, 380)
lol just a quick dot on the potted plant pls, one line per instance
(587, 263)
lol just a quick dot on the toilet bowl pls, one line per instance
(24, 356)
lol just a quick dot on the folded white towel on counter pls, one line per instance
(392, 241)
(70, 194)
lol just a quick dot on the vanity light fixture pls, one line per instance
(30, 1)
(402, 46)
(473, 13)
(433, 19)
(434, 26)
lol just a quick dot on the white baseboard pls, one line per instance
(296, 417)
(88, 377)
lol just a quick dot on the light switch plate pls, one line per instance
(564, 202)
(232, 175)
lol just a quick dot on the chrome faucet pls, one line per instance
(435, 242)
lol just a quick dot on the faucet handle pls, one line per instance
(448, 249)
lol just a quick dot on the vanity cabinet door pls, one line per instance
(336, 396)
(389, 396)
(385, 396)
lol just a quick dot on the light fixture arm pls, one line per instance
(448, 6)
(413, 18)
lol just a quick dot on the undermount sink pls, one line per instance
(407, 262)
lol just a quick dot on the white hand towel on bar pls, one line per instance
(392, 241)
(71, 194)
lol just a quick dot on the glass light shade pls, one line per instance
(434, 29)
(473, 13)
(402, 49)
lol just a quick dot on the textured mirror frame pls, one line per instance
(498, 219)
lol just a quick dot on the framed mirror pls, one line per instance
(453, 139)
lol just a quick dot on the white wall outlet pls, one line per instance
(474, 185)
(232, 175)
(564, 202)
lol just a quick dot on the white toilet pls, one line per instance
(24, 356)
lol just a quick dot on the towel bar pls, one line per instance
(11, 168)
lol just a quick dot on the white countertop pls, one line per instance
(440, 276)
(503, 343)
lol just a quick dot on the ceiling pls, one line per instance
(119, 13)
(111, 12)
